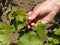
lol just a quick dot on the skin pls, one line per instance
(45, 12)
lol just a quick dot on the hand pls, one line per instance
(45, 12)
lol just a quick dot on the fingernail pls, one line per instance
(30, 18)
(44, 21)
(33, 24)
(29, 26)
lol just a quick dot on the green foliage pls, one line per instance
(19, 17)
(4, 40)
(13, 29)
(53, 40)
(5, 29)
(11, 15)
(57, 31)
(19, 21)
(28, 39)
(40, 29)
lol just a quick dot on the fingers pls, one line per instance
(33, 24)
(41, 10)
(29, 13)
(28, 26)
(35, 13)
(49, 17)
(38, 10)
(46, 19)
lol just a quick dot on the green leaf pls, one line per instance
(11, 15)
(28, 39)
(4, 26)
(40, 29)
(53, 40)
(50, 44)
(50, 39)
(19, 17)
(13, 29)
(21, 20)
(4, 40)
(5, 29)
(57, 31)
(34, 28)
(20, 26)
(56, 41)
(20, 12)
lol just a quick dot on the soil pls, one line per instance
(28, 4)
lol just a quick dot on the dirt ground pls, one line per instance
(27, 5)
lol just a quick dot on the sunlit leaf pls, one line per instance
(21, 19)
(57, 31)
(10, 15)
(5, 29)
(4, 40)
(12, 28)
(53, 40)
(28, 39)
(40, 29)
(56, 41)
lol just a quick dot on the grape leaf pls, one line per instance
(13, 29)
(11, 15)
(50, 44)
(4, 40)
(57, 31)
(28, 39)
(40, 29)
(20, 15)
(21, 19)
(50, 39)
(56, 41)
(53, 40)
(5, 29)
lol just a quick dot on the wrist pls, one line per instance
(56, 2)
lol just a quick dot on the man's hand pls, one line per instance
(45, 12)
